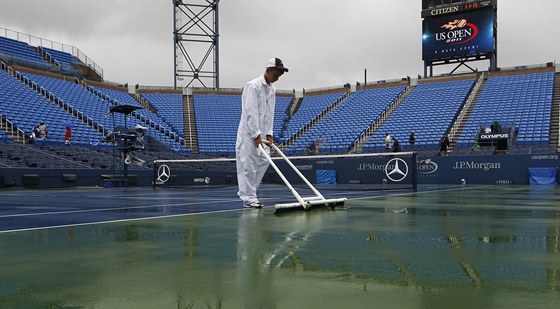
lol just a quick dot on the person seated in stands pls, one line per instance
(396, 146)
(68, 135)
(496, 127)
(34, 133)
(412, 139)
(443, 145)
(311, 149)
(43, 130)
(30, 137)
(476, 146)
(387, 141)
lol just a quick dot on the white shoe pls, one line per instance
(253, 204)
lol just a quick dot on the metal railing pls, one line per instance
(12, 129)
(457, 126)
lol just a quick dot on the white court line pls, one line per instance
(422, 192)
(198, 203)
(115, 221)
(110, 209)
(175, 215)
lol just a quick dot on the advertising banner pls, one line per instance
(482, 169)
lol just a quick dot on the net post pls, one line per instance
(414, 172)
(154, 178)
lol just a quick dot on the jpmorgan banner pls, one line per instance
(482, 169)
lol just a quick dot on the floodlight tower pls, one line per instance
(196, 37)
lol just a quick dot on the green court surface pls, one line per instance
(472, 247)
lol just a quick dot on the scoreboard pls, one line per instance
(461, 29)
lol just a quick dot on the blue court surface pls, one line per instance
(440, 247)
(25, 210)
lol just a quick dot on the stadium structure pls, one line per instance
(503, 124)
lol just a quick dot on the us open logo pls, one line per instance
(459, 31)
(427, 167)
(396, 169)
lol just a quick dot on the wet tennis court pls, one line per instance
(441, 247)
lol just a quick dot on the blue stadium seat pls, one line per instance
(428, 110)
(514, 99)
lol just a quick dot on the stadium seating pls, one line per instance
(281, 115)
(13, 51)
(429, 110)
(68, 63)
(335, 120)
(524, 100)
(309, 109)
(338, 131)
(94, 106)
(169, 108)
(15, 96)
(146, 117)
(217, 118)
(5, 137)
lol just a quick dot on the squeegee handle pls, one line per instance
(294, 192)
(317, 193)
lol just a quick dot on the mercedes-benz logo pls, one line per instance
(396, 174)
(163, 173)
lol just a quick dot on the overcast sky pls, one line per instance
(323, 42)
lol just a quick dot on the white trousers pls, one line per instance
(251, 166)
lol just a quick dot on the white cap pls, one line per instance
(276, 63)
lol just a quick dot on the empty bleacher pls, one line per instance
(428, 110)
(338, 130)
(309, 109)
(17, 52)
(524, 100)
(169, 107)
(67, 63)
(281, 115)
(217, 119)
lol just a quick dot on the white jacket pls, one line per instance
(257, 109)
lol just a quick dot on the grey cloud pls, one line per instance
(323, 42)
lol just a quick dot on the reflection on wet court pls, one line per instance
(468, 247)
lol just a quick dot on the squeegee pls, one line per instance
(303, 203)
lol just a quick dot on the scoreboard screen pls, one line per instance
(457, 35)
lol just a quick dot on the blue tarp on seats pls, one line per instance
(326, 177)
(543, 175)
